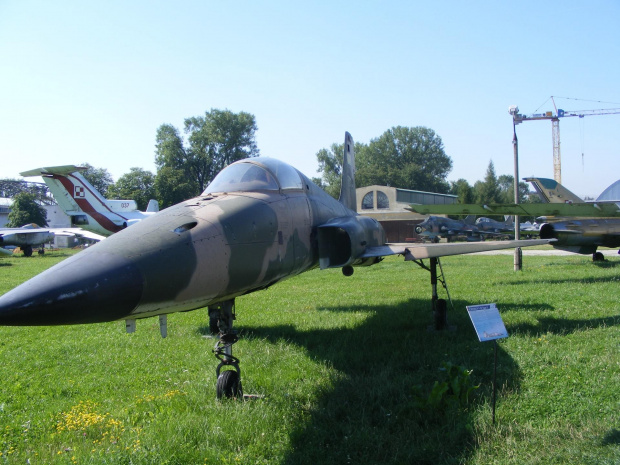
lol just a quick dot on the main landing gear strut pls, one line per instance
(228, 380)
(438, 306)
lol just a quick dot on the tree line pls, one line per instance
(186, 163)
(188, 160)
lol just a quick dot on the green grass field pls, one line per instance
(345, 370)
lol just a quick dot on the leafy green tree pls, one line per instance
(330, 167)
(24, 210)
(488, 191)
(408, 158)
(405, 157)
(462, 188)
(138, 185)
(172, 186)
(214, 141)
(9, 188)
(100, 178)
(506, 186)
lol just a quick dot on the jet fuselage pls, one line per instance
(202, 251)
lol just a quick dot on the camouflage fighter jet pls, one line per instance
(499, 227)
(258, 222)
(435, 227)
(85, 205)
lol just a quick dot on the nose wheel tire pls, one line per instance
(229, 385)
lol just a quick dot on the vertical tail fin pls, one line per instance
(347, 188)
(70, 189)
(153, 206)
(551, 191)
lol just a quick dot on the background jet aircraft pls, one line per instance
(558, 201)
(258, 222)
(580, 235)
(32, 235)
(25, 237)
(579, 227)
(87, 208)
(490, 225)
(584, 209)
(435, 227)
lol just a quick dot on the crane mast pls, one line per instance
(555, 116)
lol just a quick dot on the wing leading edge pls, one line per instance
(420, 251)
(596, 209)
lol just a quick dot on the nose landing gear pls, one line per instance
(229, 380)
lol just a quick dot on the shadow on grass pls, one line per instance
(375, 412)
(588, 280)
(537, 307)
(606, 264)
(611, 438)
(563, 326)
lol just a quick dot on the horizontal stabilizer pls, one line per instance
(62, 170)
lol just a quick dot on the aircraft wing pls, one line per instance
(79, 232)
(600, 210)
(420, 251)
(25, 236)
(24, 231)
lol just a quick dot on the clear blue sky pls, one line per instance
(86, 81)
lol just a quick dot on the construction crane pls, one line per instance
(555, 127)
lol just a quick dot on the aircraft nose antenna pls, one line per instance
(86, 288)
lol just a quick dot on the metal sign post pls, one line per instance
(489, 326)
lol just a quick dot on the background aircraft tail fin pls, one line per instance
(73, 192)
(552, 191)
(470, 219)
(347, 187)
(153, 206)
(59, 185)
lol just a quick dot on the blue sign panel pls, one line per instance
(487, 322)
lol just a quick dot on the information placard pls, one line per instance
(487, 322)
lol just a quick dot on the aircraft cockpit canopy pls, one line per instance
(255, 174)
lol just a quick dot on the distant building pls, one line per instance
(5, 208)
(612, 193)
(387, 205)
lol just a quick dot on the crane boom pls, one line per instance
(555, 127)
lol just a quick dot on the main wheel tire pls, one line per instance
(229, 385)
(598, 257)
(27, 249)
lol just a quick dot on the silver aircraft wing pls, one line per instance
(420, 251)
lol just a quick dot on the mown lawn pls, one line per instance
(345, 371)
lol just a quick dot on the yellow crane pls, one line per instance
(555, 116)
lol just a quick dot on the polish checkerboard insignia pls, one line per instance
(79, 192)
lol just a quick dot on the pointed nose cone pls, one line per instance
(86, 288)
